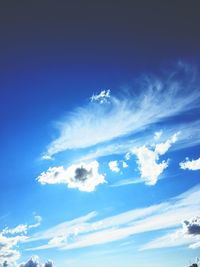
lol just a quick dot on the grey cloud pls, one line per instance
(81, 174)
(34, 262)
(193, 226)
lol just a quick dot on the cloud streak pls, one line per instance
(84, 233)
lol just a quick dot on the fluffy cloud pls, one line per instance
(159, 98)
(148, 159)
(113, 165)
(34, 262)
(84, 177)
(193, 165)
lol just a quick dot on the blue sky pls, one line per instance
(100, 134)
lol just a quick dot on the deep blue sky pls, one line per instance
(54, 55)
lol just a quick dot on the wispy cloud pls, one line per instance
(189, 234)
(84, 177)
(160, 98)
(193, 165)
(78, 234)
(128, 181)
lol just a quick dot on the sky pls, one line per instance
(100, 133)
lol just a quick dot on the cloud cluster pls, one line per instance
(84, 177)
(34, 262)
(193, 165)
(9, 240)
(157, 99)
(85, 231)
(148, 159)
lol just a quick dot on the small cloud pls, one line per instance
(113, 165)
(102, 97)
(157, 135)
(162, 148)
(34, 262)
(127, 156)
(124, 164)
(84, 177)
(193, 165)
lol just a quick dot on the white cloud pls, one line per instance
(149, 168)
(162, 148)
(193, 165)
(121, 116)
(124, 164)
(83, 233)
(102, 97)
(148, 159)
(23, 228)
(84, 177)
(113, 165)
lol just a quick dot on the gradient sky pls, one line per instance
(100, 133)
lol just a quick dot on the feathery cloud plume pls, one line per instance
(159, 98)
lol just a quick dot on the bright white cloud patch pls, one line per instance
(84, 177)
(149, 168)
(148, 164)
(193, 165)
(102, 97)
(113, 165)
(120, 116)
